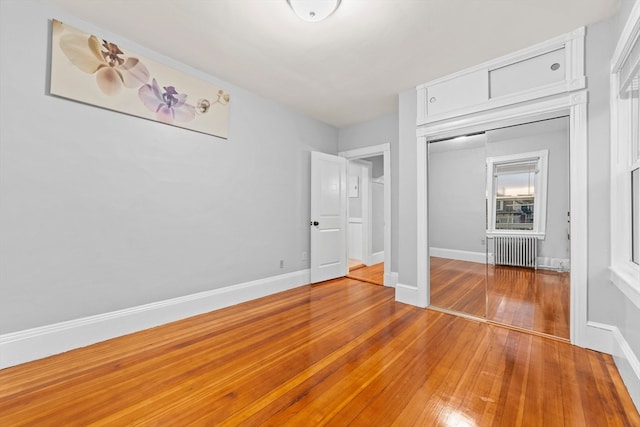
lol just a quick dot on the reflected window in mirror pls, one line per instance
(516, 190)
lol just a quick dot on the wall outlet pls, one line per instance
(304, 255)
(281, 263)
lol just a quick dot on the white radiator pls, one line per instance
(518, 251)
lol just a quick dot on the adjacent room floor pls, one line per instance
(372, 274)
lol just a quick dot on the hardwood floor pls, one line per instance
(372, 274)
(536, 300)
(529, 299)
(458, 286)
(338, 353)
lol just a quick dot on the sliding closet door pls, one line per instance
(528, 228)
(456, 204)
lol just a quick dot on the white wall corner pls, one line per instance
(31, 344)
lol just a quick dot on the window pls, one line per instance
(625, 160)
(516, 190)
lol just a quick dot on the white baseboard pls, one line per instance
(628, 366)
(377, 257)
(598, 337)
(557, 264)
(31, 344)
(608, 339)
(479, 257)
(410, 295)
(391, 279)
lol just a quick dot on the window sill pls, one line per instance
(627, 278)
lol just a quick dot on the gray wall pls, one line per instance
(407, 191)
(382, 130)
(457, 188)
(102, 211)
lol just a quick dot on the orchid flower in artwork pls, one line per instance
(112, 69)
(169, 105)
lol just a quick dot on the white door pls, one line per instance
(328, 217)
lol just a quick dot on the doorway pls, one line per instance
(369, 215)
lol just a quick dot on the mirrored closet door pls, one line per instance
(498, 205)
(457, 223)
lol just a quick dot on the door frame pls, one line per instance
(385, 151)
(575, 106)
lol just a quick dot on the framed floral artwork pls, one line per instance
(95, 71)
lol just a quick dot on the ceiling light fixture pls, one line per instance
(314, 10)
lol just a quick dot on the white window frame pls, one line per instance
(623, 272)
(540, 196)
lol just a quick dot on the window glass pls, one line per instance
(515, 195)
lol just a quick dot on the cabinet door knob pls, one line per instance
(432, 99)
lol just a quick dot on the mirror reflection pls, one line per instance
(457, 223)
(498, 225)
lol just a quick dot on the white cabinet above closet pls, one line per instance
(546, 69)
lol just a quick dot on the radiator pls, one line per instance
(519, 251)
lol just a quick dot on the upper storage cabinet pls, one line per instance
(454, 94)
(546, 69)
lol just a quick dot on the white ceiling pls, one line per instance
(348, 68)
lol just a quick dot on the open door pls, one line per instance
(328, 217)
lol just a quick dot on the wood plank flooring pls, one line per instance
(372, 274)
(536, 300)
(337, 353)
(458, 286)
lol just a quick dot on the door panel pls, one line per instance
(328, 217)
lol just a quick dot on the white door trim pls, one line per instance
(573, 104)
(385, 151)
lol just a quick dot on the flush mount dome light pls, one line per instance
(313, 10)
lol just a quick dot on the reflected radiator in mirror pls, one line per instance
(517, 251)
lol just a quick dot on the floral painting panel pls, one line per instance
(95, 71)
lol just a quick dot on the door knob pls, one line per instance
(315, 223)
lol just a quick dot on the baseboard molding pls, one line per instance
(410, 295)
(391, 279)
(609, 339)
(555, 264)
(479, 257)
(31, 344)
(377, 257)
